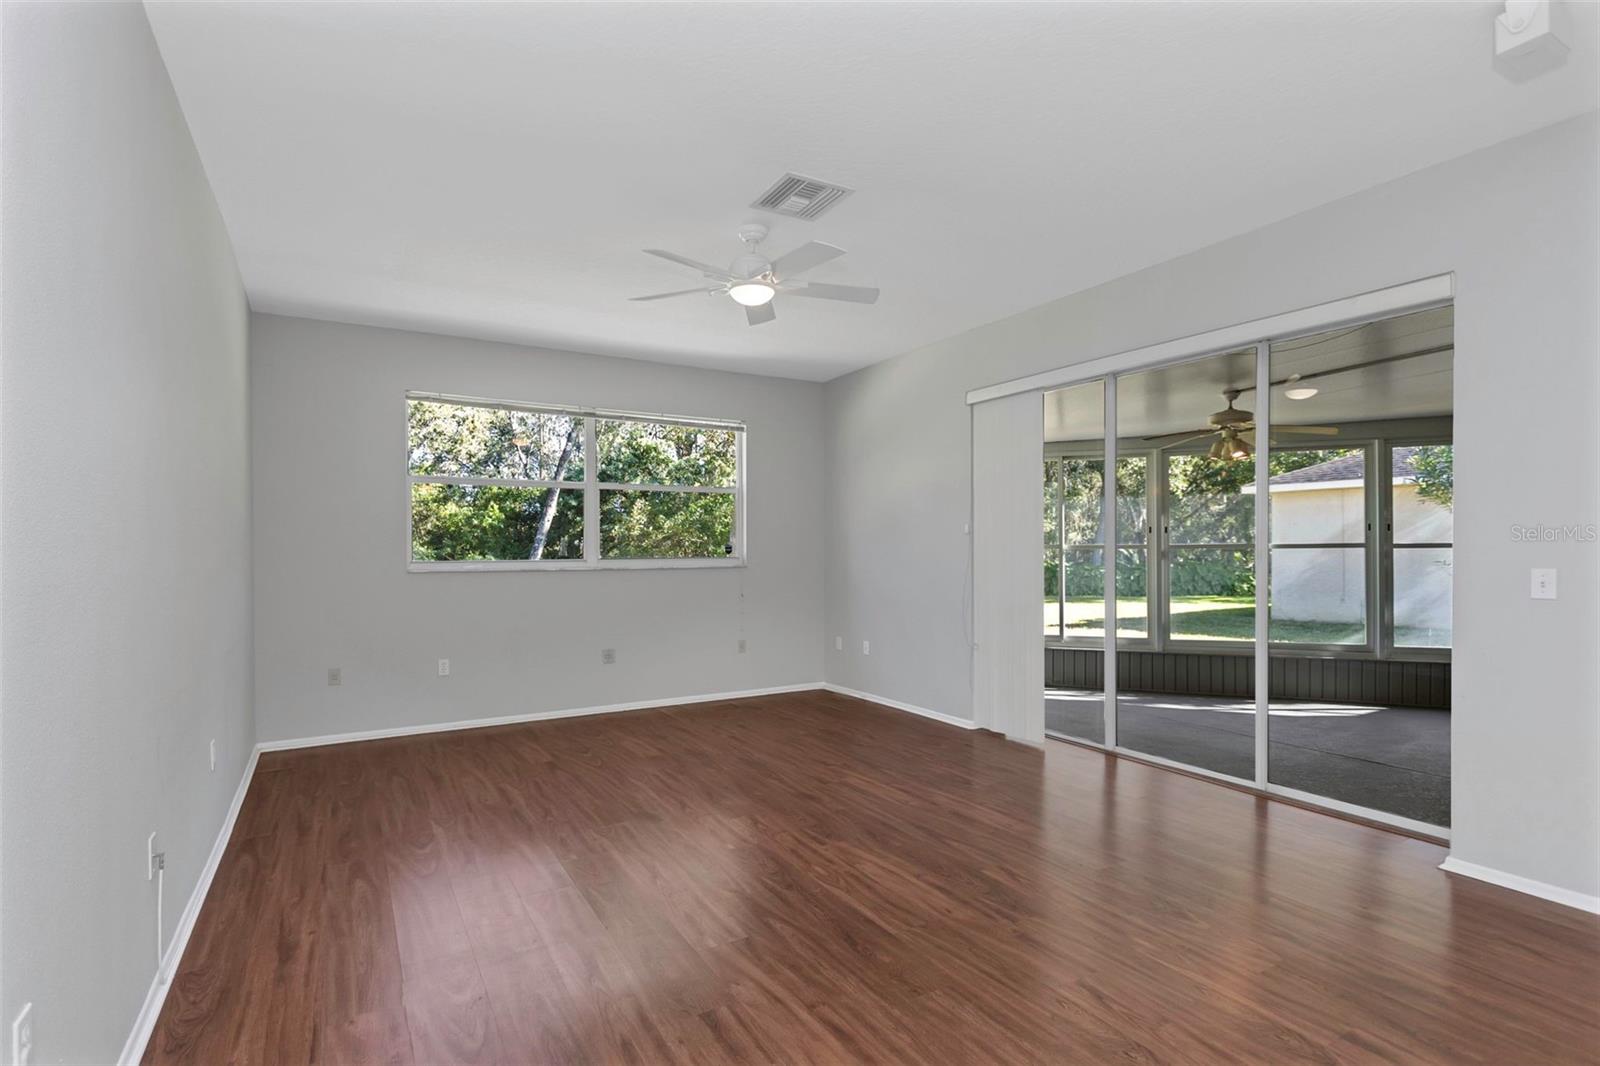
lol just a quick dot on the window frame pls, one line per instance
(591, 488)
(1151, 639)
(1378, 551)
(1374, 460)
(1162, 532)
(1389, 649)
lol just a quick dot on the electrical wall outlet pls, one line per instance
(444, 667)
(838, 644)
(866, 647)
(741, 645)
(1544, 585)
(22, 1036)
(335, 676)
(213, 756)
(608, 655)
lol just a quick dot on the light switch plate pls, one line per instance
(1544, 585)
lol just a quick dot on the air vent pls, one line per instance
(800, 197)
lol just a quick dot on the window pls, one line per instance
(1423, 542)
(667, 489)
(1086, 567)
(1210, 535)
(514, 486)
(1319, 546)
(1327, 584)
(1053, 618)
(1075, 568)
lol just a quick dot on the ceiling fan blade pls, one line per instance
(705, 268)
(1308, 431)
(760, 313)
(665, 295)
(858, 294)
(1176, 438)
(804, 258)
(1250, 438)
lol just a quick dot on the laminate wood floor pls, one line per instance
(810, 878)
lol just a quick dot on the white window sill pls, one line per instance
(508, 565)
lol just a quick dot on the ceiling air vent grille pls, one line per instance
(800, 197)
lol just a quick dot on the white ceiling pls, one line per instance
(1363, 387)
(492, 170)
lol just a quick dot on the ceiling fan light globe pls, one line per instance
(752, 293)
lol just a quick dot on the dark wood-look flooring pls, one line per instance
(809, 878)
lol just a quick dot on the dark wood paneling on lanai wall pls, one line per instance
(1382, 683)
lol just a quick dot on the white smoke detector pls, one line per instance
(1526, 43)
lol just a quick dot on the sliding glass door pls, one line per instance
(1360, 486)
(1184, 696)
(1074, 560)
(1299, 644)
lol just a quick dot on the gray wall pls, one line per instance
(331, 587)
(124, 519)
(1517, 224)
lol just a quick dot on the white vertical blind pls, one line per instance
(1007, 568)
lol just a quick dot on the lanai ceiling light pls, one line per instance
(1296, 391)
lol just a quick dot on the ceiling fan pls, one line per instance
(1235, 431)
(753, 281)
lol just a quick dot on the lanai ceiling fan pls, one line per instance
(1235, 431)
(753, 281)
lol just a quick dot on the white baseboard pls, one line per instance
(535, 716)
(937, 716)
(1565, 896)
(133, 1049)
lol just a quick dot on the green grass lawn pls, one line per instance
(1215, 618)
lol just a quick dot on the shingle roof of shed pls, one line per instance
(1346, 468)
